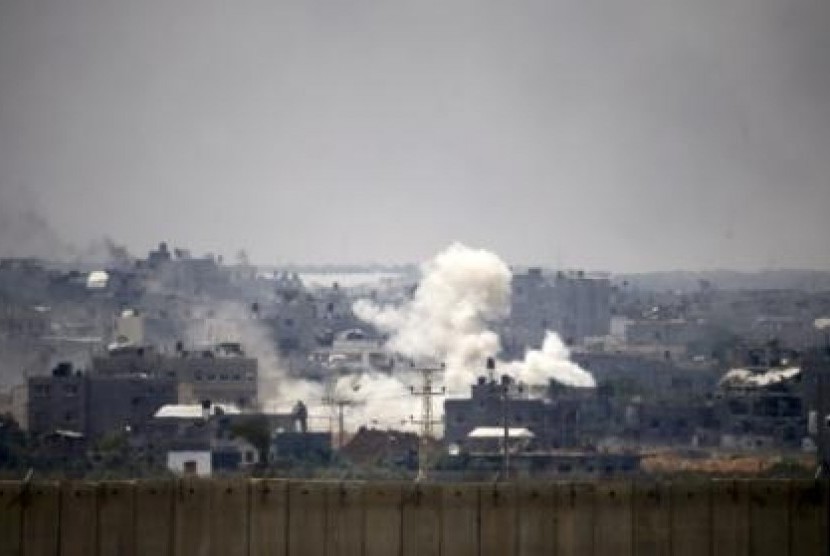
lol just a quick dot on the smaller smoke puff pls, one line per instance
(552, 362)
(378, 399)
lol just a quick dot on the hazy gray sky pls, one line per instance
(636, 135)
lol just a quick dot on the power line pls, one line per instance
(426, 421)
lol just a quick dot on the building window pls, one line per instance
(41, 390)
(40, 418)
(738, 407)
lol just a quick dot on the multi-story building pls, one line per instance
(354, 351)
(566, 417)
(125, 403)
(221, 374)
(760, 408)
(574, 304)
(490, 404)
(95, 405)
(128, 384)
(58, 401)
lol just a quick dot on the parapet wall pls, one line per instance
(307, 518)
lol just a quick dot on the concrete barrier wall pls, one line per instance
(238, 517)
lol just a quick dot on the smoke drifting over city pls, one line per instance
(462, 293)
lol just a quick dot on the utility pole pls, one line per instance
(333, 399)
(426, 421)
(505, 450)
(340, 404)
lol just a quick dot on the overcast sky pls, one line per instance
(635, 135)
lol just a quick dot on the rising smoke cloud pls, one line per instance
(462, 294)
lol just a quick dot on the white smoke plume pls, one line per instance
(462, 293)
(550, 362)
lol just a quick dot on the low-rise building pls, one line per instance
(497, 404)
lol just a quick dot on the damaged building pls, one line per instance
(562, 418)
(760, 408)
(94, 405)
(544, 436)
